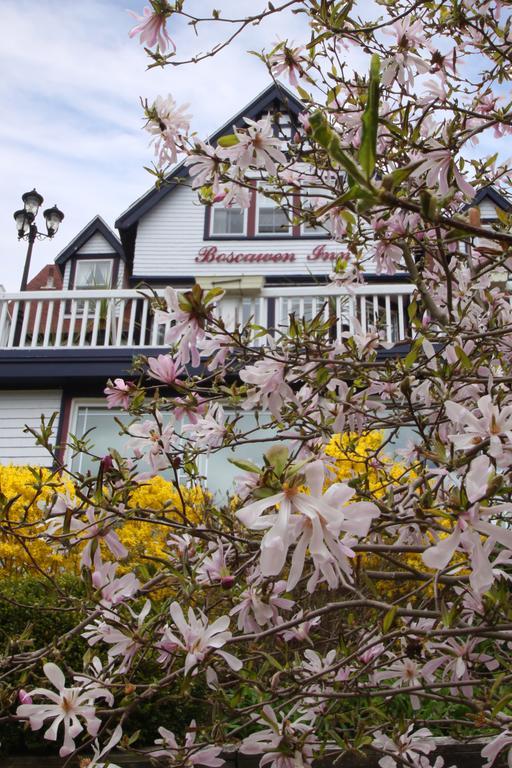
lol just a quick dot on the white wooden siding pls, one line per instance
(170, 236)
(96, 244)
(20, 408)
(67, 275)
(487, 209)
(120, 275)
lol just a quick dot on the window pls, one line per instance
(93, 274)
(216, 467)
(227, 221)
(272, 219)
(93, 416)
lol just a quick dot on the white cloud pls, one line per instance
(72, 118)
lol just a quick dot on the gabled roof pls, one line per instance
(494, 196)
(95, 226)
(275, 95)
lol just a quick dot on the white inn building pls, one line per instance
(82, 320)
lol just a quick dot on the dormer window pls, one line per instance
(95, 273)
(228, 221)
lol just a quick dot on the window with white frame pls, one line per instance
(272, 218)
(227, 221)
(93, 419)
(93, 273)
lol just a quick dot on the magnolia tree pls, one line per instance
(319, 616)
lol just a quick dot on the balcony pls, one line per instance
(124, 319)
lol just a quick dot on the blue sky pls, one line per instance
(71, 127)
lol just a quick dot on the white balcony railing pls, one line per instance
(124, 318)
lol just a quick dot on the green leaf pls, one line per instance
(370, 120)
(389, 618)
(228, 141)
(277, 458)
(247, 466)
(327, 137)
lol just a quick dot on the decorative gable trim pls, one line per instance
(274, 95)
(96, 225)
(491, 193)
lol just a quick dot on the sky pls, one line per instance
(72, 120)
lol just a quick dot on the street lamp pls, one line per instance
(27, 228)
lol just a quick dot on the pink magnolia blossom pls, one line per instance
(257, 146)
(411, 746)
(154, 439)
(164, 368)
(406, 673)
(437, 166)
(67, 707)
(122, 643)
(289, 60)
(114, 590)
(198, 638)
(459, 661)
(151, 29)
(97, 527)
(491, 750)
(185, 328)
(284, 743)
(99, 753)
(119, 393)
(468, 531)
(210, 430)
(312, 522)
(300, 632)
(168, 124)
(258, 608)
(205, 167)
(489, 422)
(271, 389)
(188, 755)
(214, 567)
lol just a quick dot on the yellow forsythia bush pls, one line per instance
(21, 519)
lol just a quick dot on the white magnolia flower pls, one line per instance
(67, 706)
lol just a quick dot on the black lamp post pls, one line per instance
(27, 228)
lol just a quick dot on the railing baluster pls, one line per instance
(389, 327)
(96, 323)
(24, 326)
(120, 323)
(60, 322)
(401, 324)
(72, 322)
(131, 325)
(4, 328)
(108, 323)
(376, 311)
(48, 323)
(352, 314)
(14, 323)
(83, 322)
(363, 314)
(37, 323)
(143, 322)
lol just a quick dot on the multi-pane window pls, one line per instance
(99, 424)
(227, 221)
(272, 219)
(93, 274)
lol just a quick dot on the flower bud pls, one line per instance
(227, 582)
(107, 463)
(24, 697)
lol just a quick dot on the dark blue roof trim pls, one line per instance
(492, 193)
(274, 94)
(96, 225)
